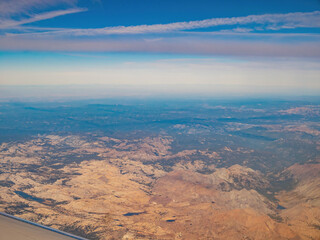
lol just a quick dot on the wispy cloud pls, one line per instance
(176, 37)
(265, 21)
(15, 13)
(9, 8)
(5, 24)
(293, 20)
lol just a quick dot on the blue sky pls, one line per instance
(228, 46)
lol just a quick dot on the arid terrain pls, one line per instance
(146, 186)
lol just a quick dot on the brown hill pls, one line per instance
(302, 204)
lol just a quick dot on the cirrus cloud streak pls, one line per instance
(7, 24)
(262, 22)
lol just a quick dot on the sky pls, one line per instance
(98, 48)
